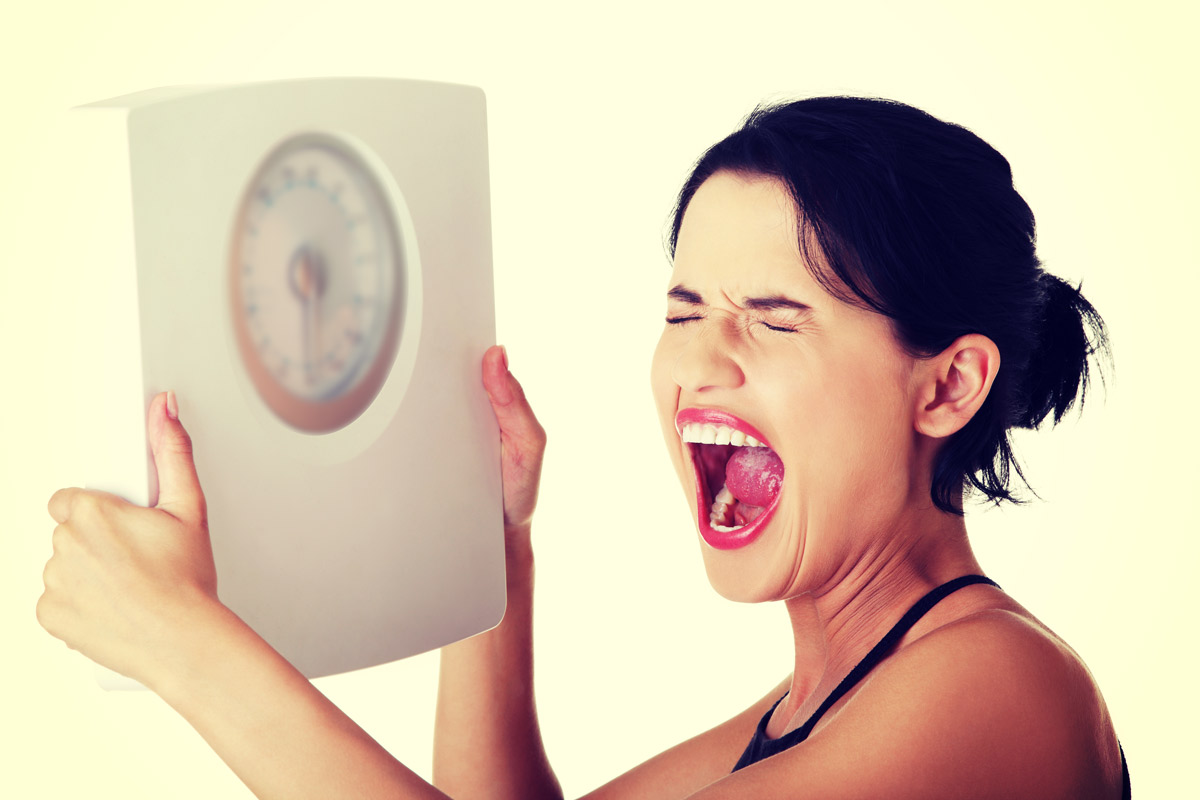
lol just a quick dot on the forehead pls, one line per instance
(740, 230)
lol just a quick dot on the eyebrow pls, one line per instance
(685, 296)
(773, 302)
(768, 303)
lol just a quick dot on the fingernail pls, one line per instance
(504, 356)
(172, 406)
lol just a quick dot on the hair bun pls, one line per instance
(1070, 334)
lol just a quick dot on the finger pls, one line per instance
(496, 375)
(512, 410)
(61, 503)
(46, 613)
(179, 492)
(59, 537)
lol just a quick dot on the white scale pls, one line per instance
(307, 264)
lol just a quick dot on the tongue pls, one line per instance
(754, 475)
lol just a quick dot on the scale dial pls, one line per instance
(315, 278)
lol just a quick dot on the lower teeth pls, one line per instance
(720, 517)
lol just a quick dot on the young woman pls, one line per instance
(856, 319)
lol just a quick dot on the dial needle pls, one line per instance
(306, 278)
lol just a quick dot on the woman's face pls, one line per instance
(754, 343)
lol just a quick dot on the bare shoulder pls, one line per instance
(990, 704)
(1006, 666)
(1019, 697)
(1007, 648)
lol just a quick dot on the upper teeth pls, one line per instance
(705, 433)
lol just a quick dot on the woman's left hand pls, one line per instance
(124, 578)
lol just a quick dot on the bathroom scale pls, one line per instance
(307, 265)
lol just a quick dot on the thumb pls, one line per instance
(179, 492)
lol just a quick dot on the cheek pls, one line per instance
(856, 433)
(666, 393)
(666, 402)
(869, 449)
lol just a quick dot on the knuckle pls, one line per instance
(45, 612)
(55, 501)
(93, 507)
(181, 444)
(62, 538)
(538, 435)
(87, 505)
(50, 575)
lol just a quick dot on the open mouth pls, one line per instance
(739, 477)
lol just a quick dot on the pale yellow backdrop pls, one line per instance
(596, 112)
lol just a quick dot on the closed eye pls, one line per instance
(767, 325)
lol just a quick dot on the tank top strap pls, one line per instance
(890, 640)
(761, 746)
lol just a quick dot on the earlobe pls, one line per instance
(954, 384)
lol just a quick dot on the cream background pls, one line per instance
(596, 112)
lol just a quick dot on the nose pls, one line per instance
(706, 360)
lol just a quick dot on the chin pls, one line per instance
(737, 582)
(761, 572)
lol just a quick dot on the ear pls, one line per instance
(954, 383)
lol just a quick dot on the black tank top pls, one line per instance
(761, 746)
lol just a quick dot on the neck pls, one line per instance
(835, 626)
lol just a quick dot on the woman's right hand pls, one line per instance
(522, 443)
